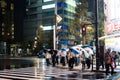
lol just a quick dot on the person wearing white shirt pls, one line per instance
(47, 56)
(71, 59)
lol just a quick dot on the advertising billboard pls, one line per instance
(112, 17)
(112, 24)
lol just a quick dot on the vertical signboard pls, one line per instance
(112, 23)
(112, 17)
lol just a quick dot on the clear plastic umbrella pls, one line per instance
(77, 50)
(89, 50)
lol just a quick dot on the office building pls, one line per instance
(11, 17)
(42, 13)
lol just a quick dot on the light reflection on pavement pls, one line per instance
(39, 71)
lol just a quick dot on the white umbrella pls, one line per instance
(89, 50)
(79, 51)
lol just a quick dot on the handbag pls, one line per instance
(109, 60)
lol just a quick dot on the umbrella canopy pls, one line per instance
(64, 49)
(89, 50)
(79, 51)
(74, 51)
(85, 46)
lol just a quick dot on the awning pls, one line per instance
(109, 36)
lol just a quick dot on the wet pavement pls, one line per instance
(36, 69)
(16, 63)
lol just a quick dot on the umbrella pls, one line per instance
(85, 46)
(64, 49)
(76, 51)
(89, 50)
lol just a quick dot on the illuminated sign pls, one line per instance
(48, 27)
(112, 27)
(48, 6)
(113, 43)
(112, 17)
(47, 0)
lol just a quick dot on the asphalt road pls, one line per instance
(35, 69)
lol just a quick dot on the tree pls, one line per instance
(80, 18)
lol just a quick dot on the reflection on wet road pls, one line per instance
(16, 63)
(36, 69)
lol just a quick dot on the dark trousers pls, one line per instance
(88, 62)
(48, 62)
(57, 59)
(115, 63)
(102, 64)
(63, 61)
(71, 63)
(53, 61)
(83, 64)
(107, 69)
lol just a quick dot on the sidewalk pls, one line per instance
(79, 67)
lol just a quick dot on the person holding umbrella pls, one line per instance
(70, 59)
(82, 57)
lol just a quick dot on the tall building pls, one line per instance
(42, 13)
(10, 24)
(19, 14)
(7, 20)
(7, 23)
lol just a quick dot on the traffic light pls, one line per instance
(83, 30)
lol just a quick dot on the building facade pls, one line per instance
(6, 23)
(42, 13)
(10, 24)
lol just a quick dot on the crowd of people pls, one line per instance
(62, 57)
(56, 57)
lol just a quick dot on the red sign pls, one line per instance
(112, 27)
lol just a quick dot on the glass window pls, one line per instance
(65, 12)
(47, 0)
(12, 33)
(45, 14)
(48, 6)
(65, 19)
(33, 9)
(33, 2)
(33, 16)
(12, 37)
(12, 6)
(64, 4)
(2, 29)
(3, 33)
(60, 11)
(59, 4)
(64, 26)
(12, 28)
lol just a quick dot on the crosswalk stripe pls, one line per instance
(29, 73)
(4, 79)
(38, 73)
